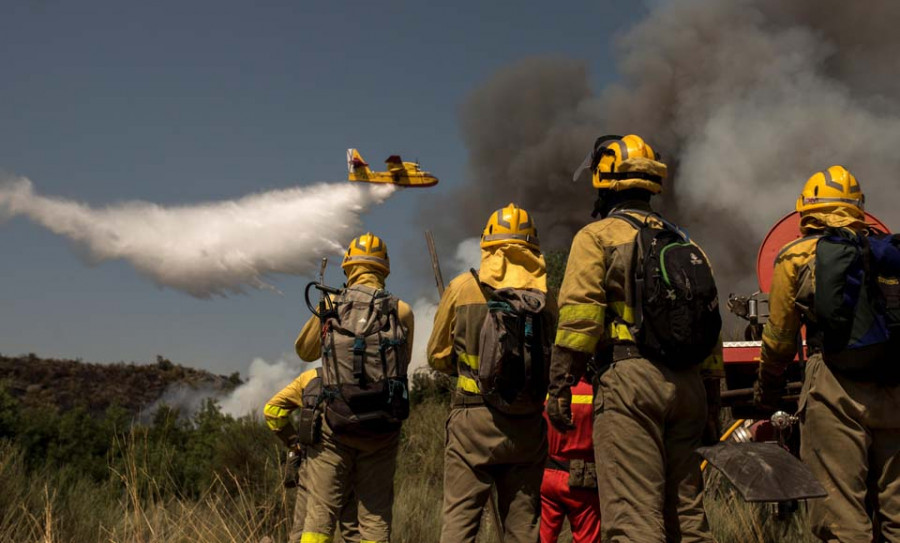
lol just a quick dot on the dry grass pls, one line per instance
(132, 512)
(59, 506)
(734, 520)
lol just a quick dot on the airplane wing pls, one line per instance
(394, 163)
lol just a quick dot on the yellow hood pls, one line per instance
(838, 217)
(361, 274)
(513, 265)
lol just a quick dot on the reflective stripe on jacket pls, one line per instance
(278, 410)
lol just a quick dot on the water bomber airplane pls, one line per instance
(403, 174)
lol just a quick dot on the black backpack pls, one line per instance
(676, 301)
(514, 349)
(857, 299)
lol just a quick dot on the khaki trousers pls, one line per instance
(485, 448)
(338, 466)
(850, 439)
(349, 527)
(648, 422)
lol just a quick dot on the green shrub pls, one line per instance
(68, 478)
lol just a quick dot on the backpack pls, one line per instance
(857, 298)
(364, 363)
(676, 301)
(514, 349)
(309, 427)
(886, 256)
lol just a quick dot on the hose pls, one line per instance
(326, 306)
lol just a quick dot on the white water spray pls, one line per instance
(207, 249)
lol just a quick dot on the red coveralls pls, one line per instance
(558, 501)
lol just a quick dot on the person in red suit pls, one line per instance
(569, 488)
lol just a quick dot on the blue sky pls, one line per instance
(184, 102)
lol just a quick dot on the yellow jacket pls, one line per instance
(278, 410)
(793, 291)
(454, 343)
(309, 342)
(596, 300)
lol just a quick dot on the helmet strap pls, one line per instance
(600, 203)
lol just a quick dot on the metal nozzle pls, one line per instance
(742, 435)
(782, 421)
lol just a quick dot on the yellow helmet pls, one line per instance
(834, 187)
(624, 162)
(510, 224)
(368, 249)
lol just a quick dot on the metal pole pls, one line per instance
(744, 392)
(435, 265)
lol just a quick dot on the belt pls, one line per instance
(553, 463)
(562, 465)
(604, 359)
(467, 400)
(621, 351)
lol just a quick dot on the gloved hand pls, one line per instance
(768, 392)
(559, 409)
(291, 470)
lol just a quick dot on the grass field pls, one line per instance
(142, 495)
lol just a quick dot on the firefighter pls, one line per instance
(358, 459)
(569, 488)
(849, 423)
(277, 413)
(649, 417)
(496, 435)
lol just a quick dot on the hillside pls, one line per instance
(66, 384)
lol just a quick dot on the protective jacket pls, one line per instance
(454, 342)
(849, 429)
(278, 409)
(597, 297)
(559, 500)
(793, 291)
(576, 444)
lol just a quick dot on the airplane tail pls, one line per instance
(355, 163)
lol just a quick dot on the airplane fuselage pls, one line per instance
(404, 174)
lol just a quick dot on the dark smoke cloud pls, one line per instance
(744, 98)
(525, 133)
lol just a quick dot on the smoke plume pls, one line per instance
(264, 379)
(745, 100)
(207, 249)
